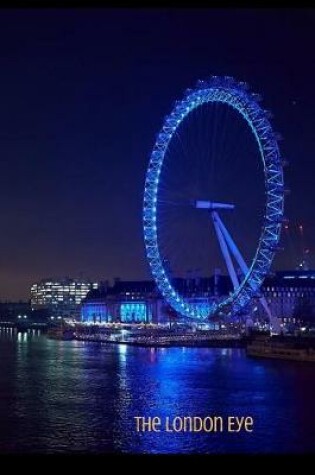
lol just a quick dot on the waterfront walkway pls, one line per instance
(195, 340)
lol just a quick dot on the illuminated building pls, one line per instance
(126, 302)
(290, 296)
(61, 297)
(141, 302)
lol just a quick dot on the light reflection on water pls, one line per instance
(69, 396)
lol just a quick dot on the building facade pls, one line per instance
(125, 302)
(290, 296)
(61, 297)
(141, 302)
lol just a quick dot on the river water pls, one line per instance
(73, 397)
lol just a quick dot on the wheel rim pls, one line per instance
(224, 90)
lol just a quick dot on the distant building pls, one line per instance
(290, 296)
(61, 297)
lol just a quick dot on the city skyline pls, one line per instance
(77, 131)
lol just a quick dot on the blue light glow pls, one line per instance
(95, 313)
(134, 312)
(229, 91)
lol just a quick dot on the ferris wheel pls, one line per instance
(246, 275)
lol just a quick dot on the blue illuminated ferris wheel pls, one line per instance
(246, 277)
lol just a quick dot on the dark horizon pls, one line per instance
(84, 93)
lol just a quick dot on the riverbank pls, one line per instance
(164, 342)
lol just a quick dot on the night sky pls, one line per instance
(83, 94)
